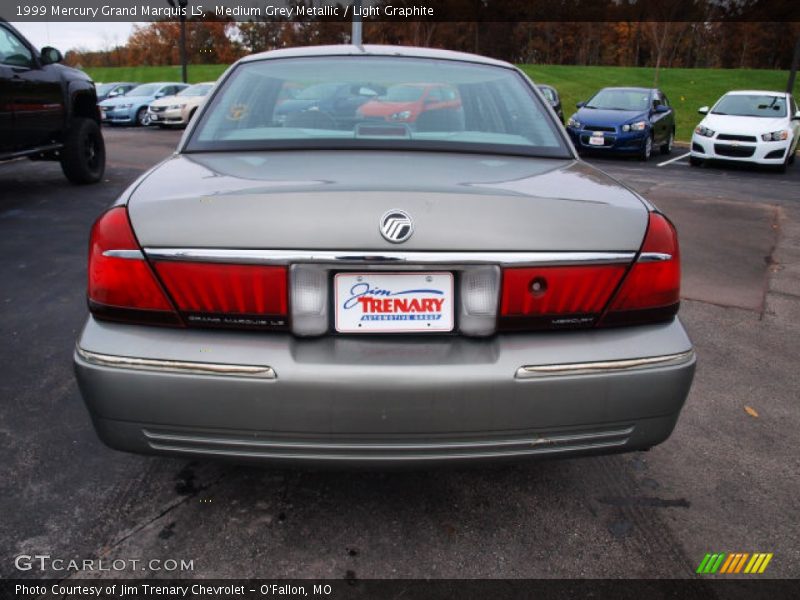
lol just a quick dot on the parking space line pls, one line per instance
(672, 160)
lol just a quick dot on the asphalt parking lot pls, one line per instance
(725, 481)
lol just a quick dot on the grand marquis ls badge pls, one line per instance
(396, 226)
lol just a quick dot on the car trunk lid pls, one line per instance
(334, 200)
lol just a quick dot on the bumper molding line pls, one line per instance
(175, 366)
(608, 366)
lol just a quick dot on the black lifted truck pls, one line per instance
(48, 111)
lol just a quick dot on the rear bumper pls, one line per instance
(388, 400)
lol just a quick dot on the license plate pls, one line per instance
(393, 302)
(596, 140)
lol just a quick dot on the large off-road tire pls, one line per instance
(83, 158)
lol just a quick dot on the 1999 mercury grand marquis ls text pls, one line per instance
(323, 288)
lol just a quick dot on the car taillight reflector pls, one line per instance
(554, 297)
(227, 295)
(651, 291)
(121, 285)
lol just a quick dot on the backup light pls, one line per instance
(479, 290)
(309, 300)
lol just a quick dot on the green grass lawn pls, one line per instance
(197, 73)
(687, 89)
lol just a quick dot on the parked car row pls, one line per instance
(164, 103)
(760, 127)
(745, 126)
(752, 126)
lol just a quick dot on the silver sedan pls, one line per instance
(410, 265)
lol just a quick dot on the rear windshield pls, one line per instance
(377, 102)
(751, 105)
(620, 100)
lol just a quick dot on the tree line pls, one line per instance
(719, 44)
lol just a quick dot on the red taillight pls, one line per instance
(225, 295)
(600, 295)
(121, 285)
(651, 291)
(555, 297)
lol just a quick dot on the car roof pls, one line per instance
(632, 89)
(163, 83)
(375, 50)
(745, 92)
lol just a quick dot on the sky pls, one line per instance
(66, 36)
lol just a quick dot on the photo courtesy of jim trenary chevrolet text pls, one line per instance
(374, 299)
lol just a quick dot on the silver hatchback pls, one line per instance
(405, 263)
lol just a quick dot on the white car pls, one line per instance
(179, 109)
(748, 126)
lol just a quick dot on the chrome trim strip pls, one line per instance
(608, 366)
(645, 257)
(322, 457)
(175, 366)
(386, 257)
(260, 443)
(129, 254)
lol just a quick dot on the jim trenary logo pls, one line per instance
(734, 563)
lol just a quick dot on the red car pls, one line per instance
(405, 103)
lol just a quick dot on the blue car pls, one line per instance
(624, 120)
(131, 108)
